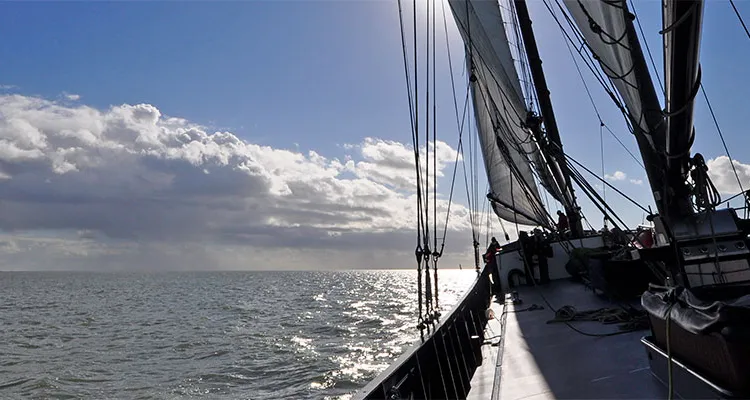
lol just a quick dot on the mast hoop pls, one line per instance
(680, 20)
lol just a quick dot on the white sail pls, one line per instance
(500, 112)
(604, 25)
(482, 28)
(515, 196)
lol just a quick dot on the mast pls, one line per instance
(682, 36)
(653, 117)
(561, 174)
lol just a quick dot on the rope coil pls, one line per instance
(706, 196)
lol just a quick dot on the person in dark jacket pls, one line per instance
(494, 246)
(542, 249)
(527, 251)
(562, 222)
(491, 261)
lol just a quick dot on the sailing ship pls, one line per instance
(669, 302)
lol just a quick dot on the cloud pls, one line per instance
(8, 87)
(721, 173)
(128, 185)
(392, 164)
(71, 96)
(636, 181)
(617, 176)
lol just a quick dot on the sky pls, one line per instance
(271, 134)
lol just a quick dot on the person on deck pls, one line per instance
(562, 222)
(490, 259)
(542, 249)
(527, 254)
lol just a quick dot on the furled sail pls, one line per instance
(508, 148)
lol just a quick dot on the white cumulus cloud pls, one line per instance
(392, 164)
(72, 97)
(723, 176)
(616, 176)
(127, 182)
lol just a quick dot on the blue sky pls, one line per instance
(315, 75)
(276, 72)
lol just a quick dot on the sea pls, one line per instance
(213, 335)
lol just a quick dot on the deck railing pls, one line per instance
(441, 365)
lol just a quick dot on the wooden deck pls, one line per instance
(537, 360)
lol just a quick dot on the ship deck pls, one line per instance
(537, 360)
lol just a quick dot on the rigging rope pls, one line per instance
(472, 143)
(624, 147)
(585, 86)
(601, 150)
(434, 134)
(485, 204)
(595, 198)
(435, 255)
(468, 195)
(522, 57)
(427, 253)
(450, 196)
(460, 122)
(606, 183)
(601, 123)
(416, 125)
(427, 142)
(413, 114)
(487, 231)
(740, 18)
(475, 174)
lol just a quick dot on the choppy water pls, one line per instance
(259, 335)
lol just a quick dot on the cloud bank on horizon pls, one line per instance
(82, 188)
(129, 188)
